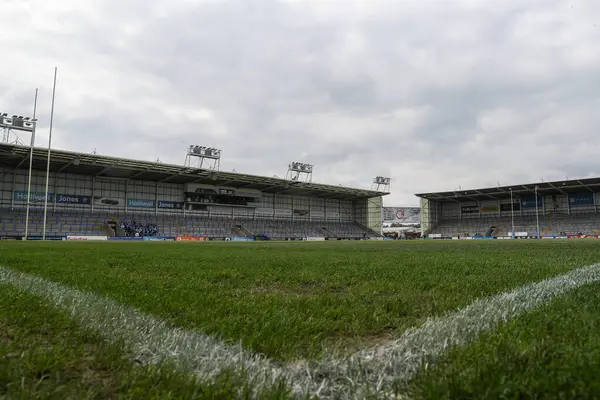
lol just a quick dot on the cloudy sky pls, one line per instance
(434, 94)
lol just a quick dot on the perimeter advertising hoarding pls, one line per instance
(41, 238)
(87, 238)
(405, 215)
(191, 238)
(11, 238)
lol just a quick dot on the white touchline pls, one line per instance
(372, 371)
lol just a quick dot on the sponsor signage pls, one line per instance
(241, 239)
(507, 207)
(529, 202)
(582, 236)
(469, 209)
(518, 234)
(316, 239)
(87, 238)
(125, 238)
(72, 199)
(171, 205)
(404, 215)
(581, 199)
(191, 238)
(11, 238)
(33, 196)
(283, 212)
(137, 203)
(435, 235)
(156, 239)
(490, 209)
(227, 192)
(41, 238)
(108, 201)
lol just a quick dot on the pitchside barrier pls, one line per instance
(87, 238)
(191, 238)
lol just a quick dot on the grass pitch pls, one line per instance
(291, 301)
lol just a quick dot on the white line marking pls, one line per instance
(372, 371)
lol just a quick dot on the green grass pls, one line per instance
(291, 300)
(44, 355)
(551, 353)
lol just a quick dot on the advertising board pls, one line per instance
(191, 238)
(72, 199)
(87, 238)
(241, 239)
(140, 203)
(34, 197)
(11, 238)
(405, 215)
(40, 238)
(581, 199)
(170, 205)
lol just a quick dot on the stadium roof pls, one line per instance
(15, 156)
(503, 192)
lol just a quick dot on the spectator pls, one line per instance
(137, 229)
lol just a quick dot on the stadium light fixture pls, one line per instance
(16, 123)
(381, 184)
(202, 155)
(296, 170)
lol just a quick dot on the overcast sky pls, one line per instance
(434, 94)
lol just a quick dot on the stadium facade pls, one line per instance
(557, 209)
(92, 195)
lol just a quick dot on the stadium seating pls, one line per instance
(550, 225)
(77, 223)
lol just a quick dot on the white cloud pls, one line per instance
(434, 94)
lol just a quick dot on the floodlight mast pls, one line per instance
(202, 157)
(298, 171)
(381, 184)
(9, 125)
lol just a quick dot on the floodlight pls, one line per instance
(203, 153)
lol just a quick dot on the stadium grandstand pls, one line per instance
(558, 209)
(97, 196)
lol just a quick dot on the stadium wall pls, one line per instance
(123, 196)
